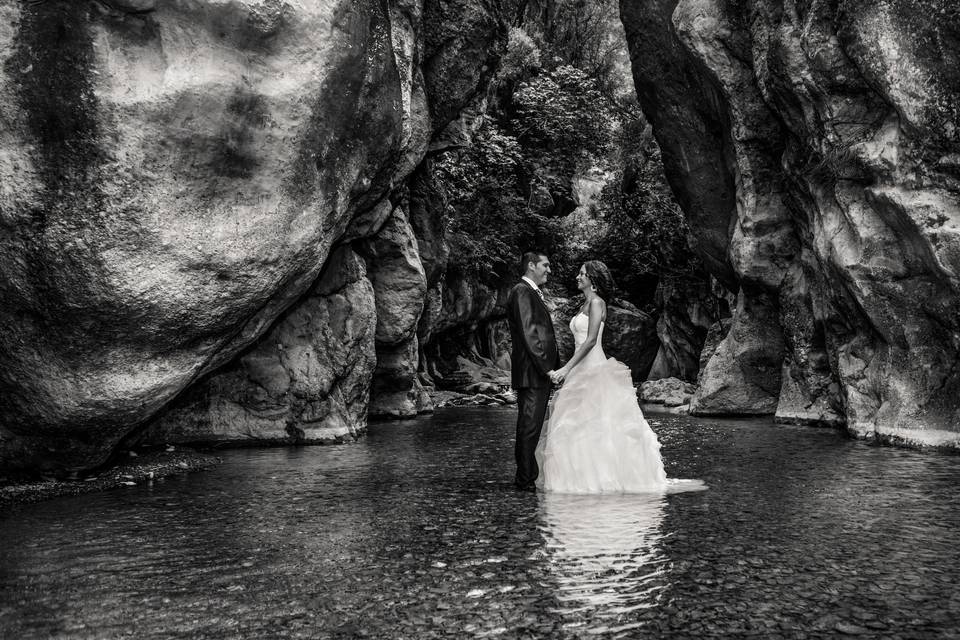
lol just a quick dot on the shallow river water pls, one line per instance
(414, 532)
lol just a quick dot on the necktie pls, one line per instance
(540, 293)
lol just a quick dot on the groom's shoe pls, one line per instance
(528, 487)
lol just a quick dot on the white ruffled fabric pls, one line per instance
(596, 439)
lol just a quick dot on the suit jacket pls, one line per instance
(534, 343)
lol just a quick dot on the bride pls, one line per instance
(596, 439)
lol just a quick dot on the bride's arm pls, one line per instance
(593, 330)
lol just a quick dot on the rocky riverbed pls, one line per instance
(414, 531)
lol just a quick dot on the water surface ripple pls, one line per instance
(414, 532)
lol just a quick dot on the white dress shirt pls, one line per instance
(535, 287)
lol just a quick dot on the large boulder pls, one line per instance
(175, 175)
(838, 126)
(630, 336)
(307, 381)
(742, 376)
(666, 394)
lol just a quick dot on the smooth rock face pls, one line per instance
(400, 287)
(841, 134)
(687, 311)
(687, 114)
(174, 176)
(307, 380)
(742, 375)
(465, 320)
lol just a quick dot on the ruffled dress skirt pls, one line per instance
(596, 439)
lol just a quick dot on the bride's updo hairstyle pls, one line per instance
(600, 278)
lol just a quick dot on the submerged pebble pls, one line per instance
(415, 531)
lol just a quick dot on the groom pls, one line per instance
(533, 359)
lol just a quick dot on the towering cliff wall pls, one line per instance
(205, 234)
(814, 147)
(176, 175)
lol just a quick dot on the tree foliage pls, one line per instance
(559, 111)
(562, 111)
(487, 219)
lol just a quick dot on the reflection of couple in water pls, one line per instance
(604, 554)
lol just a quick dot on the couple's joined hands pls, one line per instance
(557, 376)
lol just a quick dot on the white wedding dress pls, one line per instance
(596, 439)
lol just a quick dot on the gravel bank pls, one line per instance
(135, 469)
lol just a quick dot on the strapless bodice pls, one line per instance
(579, 326)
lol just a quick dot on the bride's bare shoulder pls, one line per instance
(600, 306)
(598, 303)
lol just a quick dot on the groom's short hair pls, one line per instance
(528, 257)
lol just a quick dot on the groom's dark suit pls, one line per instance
(534, 354)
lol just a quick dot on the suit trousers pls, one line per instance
(531, 408)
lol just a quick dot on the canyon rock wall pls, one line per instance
(688, 309)
(175, 176)
(400, 286)
(830, 136)
(307, 380)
